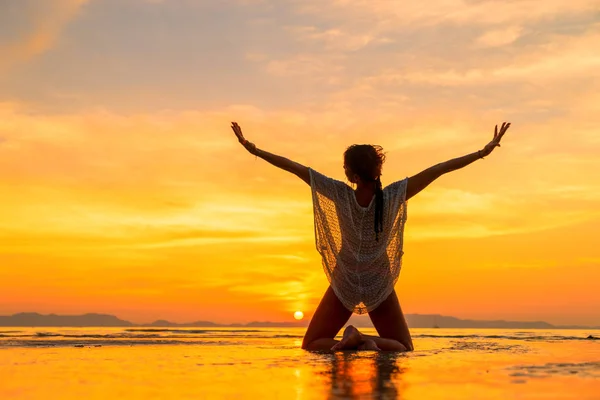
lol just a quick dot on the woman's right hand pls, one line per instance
(496, 140)
(251, 147)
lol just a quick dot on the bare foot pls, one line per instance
(350, 341)
(369, 344)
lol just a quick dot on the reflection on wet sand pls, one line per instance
(355, 375)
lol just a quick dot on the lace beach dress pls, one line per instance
(361, 270)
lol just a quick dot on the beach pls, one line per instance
(223, 363)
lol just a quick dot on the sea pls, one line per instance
(268, 363)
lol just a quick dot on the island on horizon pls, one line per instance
(32, 319)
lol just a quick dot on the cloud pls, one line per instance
(566, 58)
(333, 39)
(99, 177)
(483, 12)
(472, 55)
(499, 37)
(313, 66)
(47, 23)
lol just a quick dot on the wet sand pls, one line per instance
(268, 363)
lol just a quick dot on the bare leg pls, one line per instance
(385, 344)
(329, 318)
(390, 323)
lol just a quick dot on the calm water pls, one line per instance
(100, 363)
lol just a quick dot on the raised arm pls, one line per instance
(284, 163)
(421, 180)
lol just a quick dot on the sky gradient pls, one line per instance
(123, 189)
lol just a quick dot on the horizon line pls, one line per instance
(300, 323)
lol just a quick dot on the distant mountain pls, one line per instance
(268, 324)
(164, 324)
(428, 321)
(413, 320)
(35, 319)
(442, 321)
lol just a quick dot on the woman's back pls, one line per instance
(361, 264)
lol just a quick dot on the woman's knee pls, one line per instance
(305, 342)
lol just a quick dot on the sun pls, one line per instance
(298, 315)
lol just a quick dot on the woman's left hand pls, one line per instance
(496, 140)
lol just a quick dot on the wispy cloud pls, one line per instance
(456, 11)
(499, 37)
(47, 22)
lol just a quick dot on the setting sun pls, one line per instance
(298, 315)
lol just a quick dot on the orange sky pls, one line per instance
(123, 190)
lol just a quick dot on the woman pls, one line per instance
(359, 234)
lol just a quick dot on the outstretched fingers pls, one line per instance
(238, 132)
(505, 127)
(499, 134)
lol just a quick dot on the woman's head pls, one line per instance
(363, 162)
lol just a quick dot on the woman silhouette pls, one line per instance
(359, 234)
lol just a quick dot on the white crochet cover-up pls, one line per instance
(361, 270)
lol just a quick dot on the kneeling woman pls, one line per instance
(359, 234)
